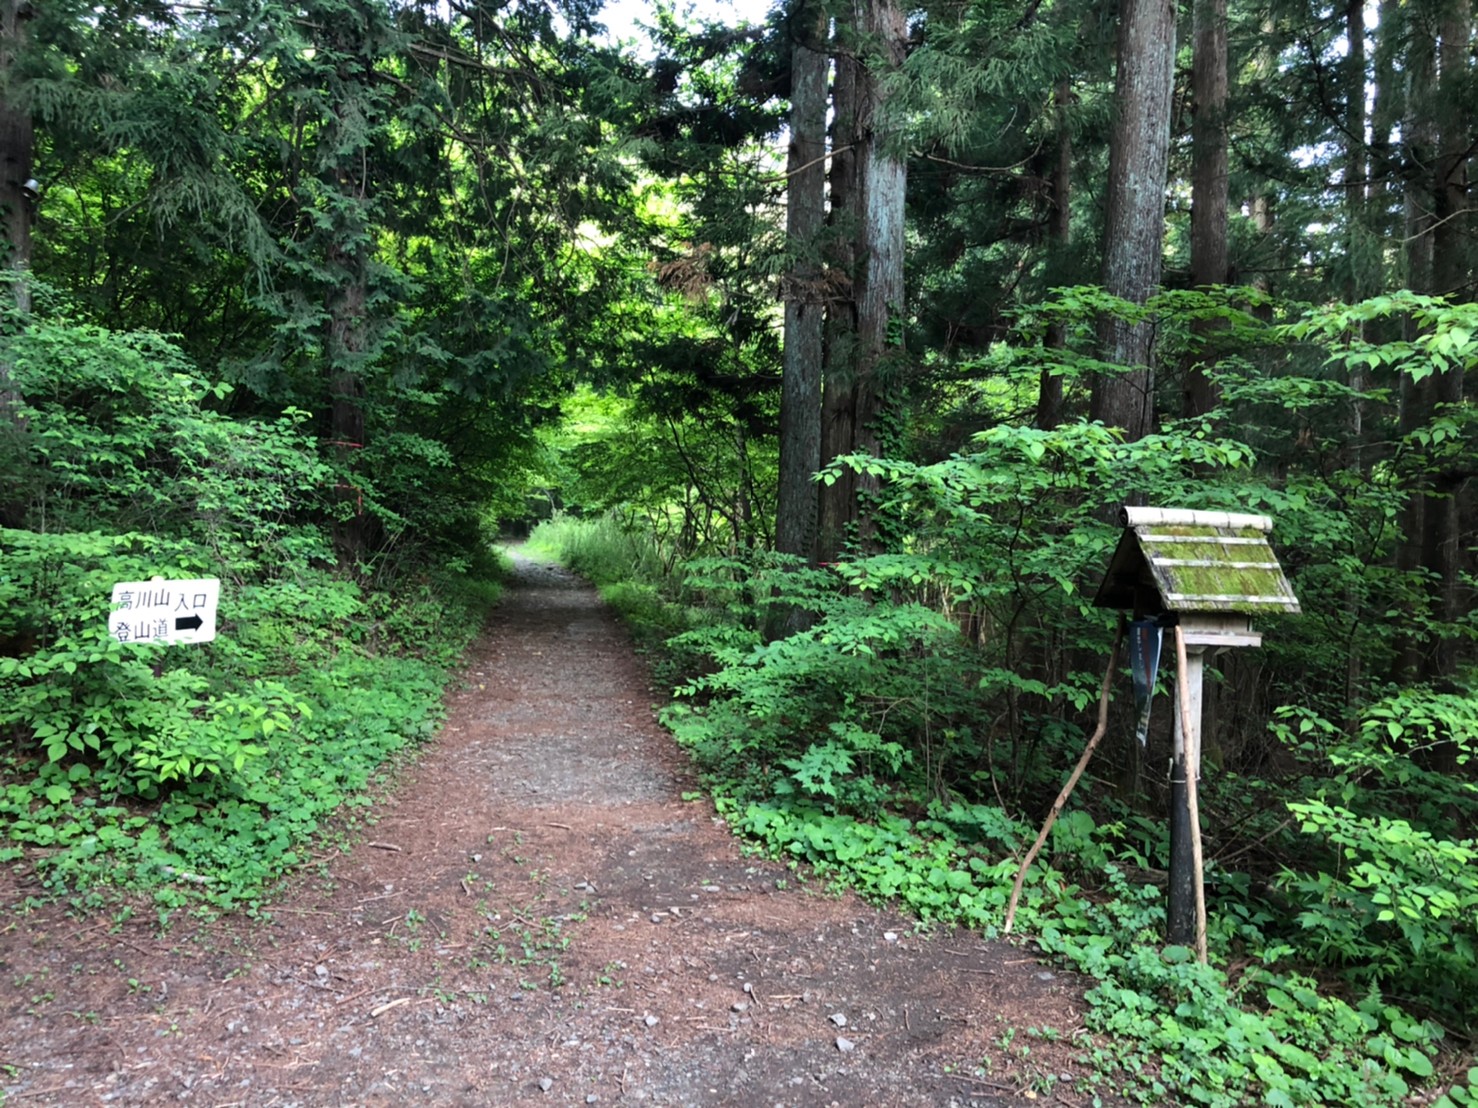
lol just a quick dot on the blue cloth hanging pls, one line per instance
(1144, 665)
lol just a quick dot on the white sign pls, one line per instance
(165, 611)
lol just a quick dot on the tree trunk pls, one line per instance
(346, 343)
(1139, 150)
(1363, 279)
(1416, 397)
(882, 177)
(1360, 282)
(1138, 159)
(17, 148)
(838, 399)
(1435, 192)
(1451, 272)
(1259, 201)
(348, 246)
(1208, 190)
(800, 389)
(1418, 135)
(1451, 249)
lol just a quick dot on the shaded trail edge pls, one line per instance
(535, 915)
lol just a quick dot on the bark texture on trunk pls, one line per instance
(347, 328)
(1199, 393)
(804, 292)
(1139, 152)
(1260, 200)
(1451, 276)
(17, 150)
(348, 249)
(867, 193)
(1437, 138)
(881, 182)
(1419, 138)
(1361, 280)
(840, 329)
(1416, 397)
(1387, 106)
(1451, 246)
(1139, 148)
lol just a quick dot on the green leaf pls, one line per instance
(1418, 1063)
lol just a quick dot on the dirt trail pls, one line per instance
(535, 916)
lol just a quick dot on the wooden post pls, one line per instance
(1186, 916)
(1209, 572)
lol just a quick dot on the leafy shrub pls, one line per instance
(1184, 1032)
(192, 771)
(855, 746)
(1402, 905)
(1382, 884)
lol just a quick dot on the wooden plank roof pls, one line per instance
(1178, 560)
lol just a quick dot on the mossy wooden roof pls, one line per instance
(1176, 560)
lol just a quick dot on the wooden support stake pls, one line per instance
(1072, 782)
(1190, 731)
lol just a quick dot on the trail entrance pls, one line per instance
(535, 916)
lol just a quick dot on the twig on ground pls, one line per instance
(37, 1092)
(300, 911)
(981, 1081)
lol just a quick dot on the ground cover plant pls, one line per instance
(193, 774)
(903, 744)
(306, 296)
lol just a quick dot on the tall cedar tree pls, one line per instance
(804, 290)
(1209, 184)
(867, 344)
(1134, 230)
(17, 151)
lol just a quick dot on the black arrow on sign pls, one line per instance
(189, 623)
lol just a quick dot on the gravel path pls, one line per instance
(535, 915)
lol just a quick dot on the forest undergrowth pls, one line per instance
(906, 743)
(192, 776)
(426, 268)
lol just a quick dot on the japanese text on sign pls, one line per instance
(165, 611)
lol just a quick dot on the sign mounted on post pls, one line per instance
(165, 611)
(1203, 575)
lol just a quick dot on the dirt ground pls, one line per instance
(534, 916)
